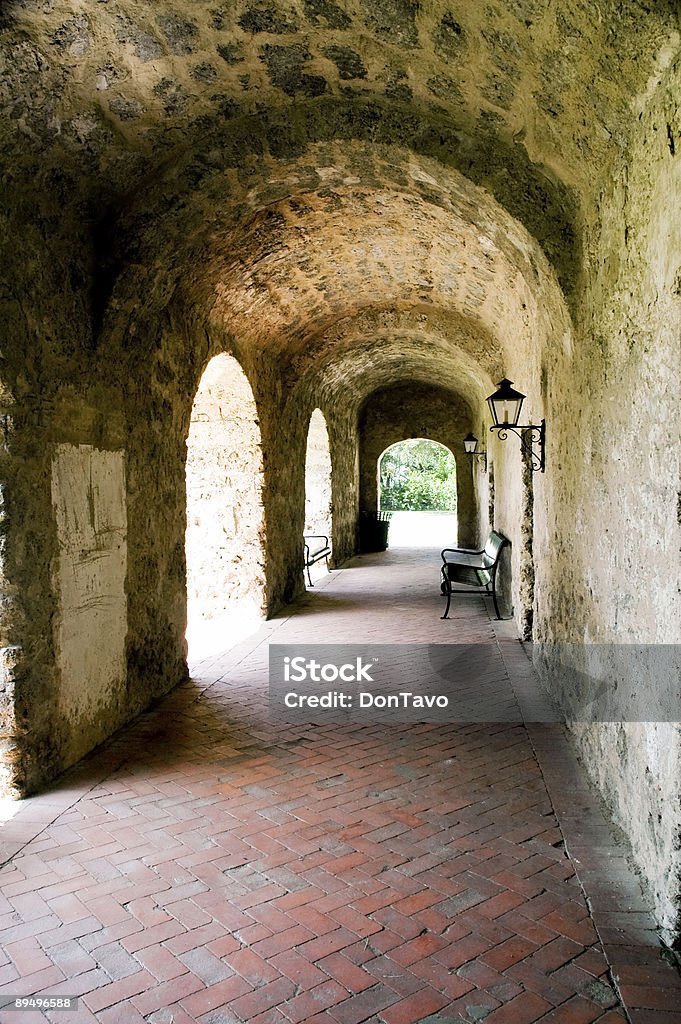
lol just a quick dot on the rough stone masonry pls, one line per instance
(343, 197)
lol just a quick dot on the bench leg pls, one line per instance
(494, 593)
(309, 578)
(449, 600)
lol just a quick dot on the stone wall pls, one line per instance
(88, 498)
(344, 444)
(611, 540)
(62, 469)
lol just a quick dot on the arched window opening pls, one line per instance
(318, 483)
(417, 484)
(225, 520)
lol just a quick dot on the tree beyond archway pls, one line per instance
(417, 475)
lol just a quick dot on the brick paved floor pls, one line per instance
(210, 865)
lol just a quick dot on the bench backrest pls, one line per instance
(495, 542)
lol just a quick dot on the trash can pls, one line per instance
(373, 531)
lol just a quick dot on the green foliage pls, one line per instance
(418, 476)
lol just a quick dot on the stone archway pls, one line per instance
(407, 411)
(435, 466)
(417, 486)
(225, 521)
(318, 508)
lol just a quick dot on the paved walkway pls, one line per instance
(212, 865)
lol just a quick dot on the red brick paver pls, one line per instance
(212, 865)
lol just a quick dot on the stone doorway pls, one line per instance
(417, 484)
(225, 522)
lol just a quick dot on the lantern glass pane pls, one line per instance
(510, 411)
(506, 410)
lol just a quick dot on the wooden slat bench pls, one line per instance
(473, 568)
(315, 547)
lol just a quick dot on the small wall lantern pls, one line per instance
(470, 446)
(505, 405)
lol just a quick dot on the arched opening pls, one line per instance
(225, 522)
(318, 507)
(318, 477)
(417, 484)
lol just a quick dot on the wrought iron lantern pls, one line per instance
(505, 405)
(470, 446)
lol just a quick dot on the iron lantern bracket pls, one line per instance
(532, 435)
(478, 455)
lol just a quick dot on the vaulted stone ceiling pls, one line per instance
(285, 167)
(114, 90)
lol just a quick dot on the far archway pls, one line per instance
(417, 485)
(225, 519)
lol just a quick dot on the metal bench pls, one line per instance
(315, 547)
(473, 568)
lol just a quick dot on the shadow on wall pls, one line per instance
(505, 583)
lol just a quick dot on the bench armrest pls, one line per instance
(316, 536)
(460, 551)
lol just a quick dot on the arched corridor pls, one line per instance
(375, 213)
(213, 863)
